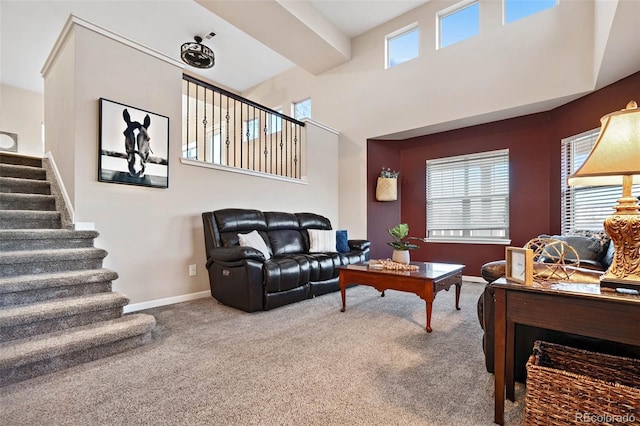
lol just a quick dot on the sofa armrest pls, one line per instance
(361, 245)
(234, 254)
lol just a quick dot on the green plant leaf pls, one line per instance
(399, 231)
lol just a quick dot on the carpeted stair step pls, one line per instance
(45, 239)
(29, 219)
(26, 289)
(23, 172)
(34, 356)
(19, 322)
(20, 160)
(17, 201)
(24, 186)
(29, 262)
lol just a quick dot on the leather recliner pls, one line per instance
(242, 278)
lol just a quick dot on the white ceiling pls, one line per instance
(29, 29)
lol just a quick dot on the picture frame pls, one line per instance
(133, 146)
(519, 265)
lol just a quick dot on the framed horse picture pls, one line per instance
(134, 146)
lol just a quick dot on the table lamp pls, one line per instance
(615, 160)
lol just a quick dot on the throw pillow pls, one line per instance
(342, 241)
(253, 239)
(322, 241)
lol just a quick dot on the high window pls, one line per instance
(517, 9)
(458, 22)
(302, 109)
(276, 122)
(251, 129)
(584, 207)
(402, 45)
(468, 197)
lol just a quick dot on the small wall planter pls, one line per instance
(387, 189)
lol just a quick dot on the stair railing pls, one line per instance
(225, 129)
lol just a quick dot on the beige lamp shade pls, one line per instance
(616, 153)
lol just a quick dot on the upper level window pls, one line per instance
(401, 46)
(584, 207)
(251, 129)
(276, 122)
(516, 9)
(468, 197)
(458, 22)
(302, 109)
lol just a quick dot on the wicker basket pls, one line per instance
(567, 386)
(387, 189)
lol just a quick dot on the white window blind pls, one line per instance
(468, 196)
(584, 207)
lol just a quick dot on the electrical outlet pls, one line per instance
(193, 271)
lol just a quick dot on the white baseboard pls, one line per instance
(202, 294)
(166, 301)
(472, 279)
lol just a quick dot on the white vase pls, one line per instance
(401, 256)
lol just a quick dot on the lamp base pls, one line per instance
(624, 230)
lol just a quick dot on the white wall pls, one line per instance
(465, 80)
(152, 234)
(22, 112)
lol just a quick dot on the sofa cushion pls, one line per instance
(589, 250)
(313, 221)
(285, 273)
(230, 222)
(322, 241)
(322, 266)
(238, 220)
(286, 241)
(284, 234)
(254, 239)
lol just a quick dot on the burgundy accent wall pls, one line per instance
(381, 215)
(534, 167)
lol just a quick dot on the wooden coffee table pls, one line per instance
(425, 282)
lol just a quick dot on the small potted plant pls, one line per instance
(401, 244)
(387, 185)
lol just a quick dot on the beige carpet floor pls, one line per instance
(302, 364)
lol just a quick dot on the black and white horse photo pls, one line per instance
(133, 160)
(136, 143)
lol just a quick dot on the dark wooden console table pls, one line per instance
(581, 309)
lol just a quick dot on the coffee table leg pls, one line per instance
(458, 287)
(343, 294)
(429, 306)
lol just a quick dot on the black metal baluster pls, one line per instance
(295, 150)
(204, 126)
(186, 153)
(266, 136)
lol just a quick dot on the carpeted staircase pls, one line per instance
(56, 305)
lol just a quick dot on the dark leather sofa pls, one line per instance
(526, 335)
(242, 278)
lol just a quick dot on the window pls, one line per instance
(468, 197)
(251, 129)
(275, 123)
(517, 9)
(190, 150)
(584, 207)
(458, 23)
(401, 46)
(302, 109)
